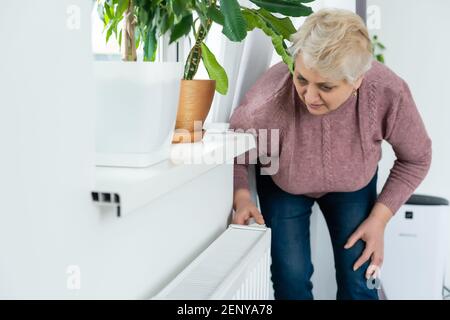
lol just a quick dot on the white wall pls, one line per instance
(46, 161)
(416, 37)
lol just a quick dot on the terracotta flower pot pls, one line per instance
(194, 103)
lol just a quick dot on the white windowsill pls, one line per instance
(133, 188)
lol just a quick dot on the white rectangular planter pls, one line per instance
(136, 110)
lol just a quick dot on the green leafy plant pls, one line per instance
(236, 21)
(146, 20)
(141, 22)
(378, 49)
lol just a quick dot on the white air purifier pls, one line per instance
(416, 250)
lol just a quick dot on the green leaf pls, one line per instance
(282, 26)
(119, 40)
(178, 8)
(215, 70)
(155, 18)
(115, 28)
(380, 58)
(143, 17)
(108, 34)
(250, 19)
(108, 12)
(137, 37)
(109, 29)
(150, 45)
(181, 29)
(380, 45)
(202, 7)
(235, 26)
(216, 15)
(277, 40)
(289, 8)
(121, 8)
(166, 23)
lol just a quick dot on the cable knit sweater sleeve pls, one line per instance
(405, 131)
(261, 108)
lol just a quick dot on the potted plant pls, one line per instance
(196, 95)
(137, 100)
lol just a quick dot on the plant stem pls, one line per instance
(128, 39)
(195, 55)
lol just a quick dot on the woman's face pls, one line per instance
(320, 95)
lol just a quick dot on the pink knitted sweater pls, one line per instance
(338, 151)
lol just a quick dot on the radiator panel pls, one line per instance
(236, 266)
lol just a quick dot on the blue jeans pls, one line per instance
(288, 216)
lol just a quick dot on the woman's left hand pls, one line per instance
(371, 231)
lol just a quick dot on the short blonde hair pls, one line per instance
(335, 43)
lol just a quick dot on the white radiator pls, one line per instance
(236, 266)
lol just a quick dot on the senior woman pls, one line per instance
(332, 115)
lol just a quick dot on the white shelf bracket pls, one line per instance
(106, 199)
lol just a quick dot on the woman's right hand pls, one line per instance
(245, 209)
